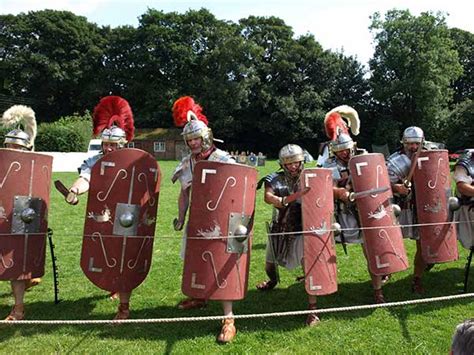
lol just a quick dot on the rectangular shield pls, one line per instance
(219, 231)
(432, 185)
(382, 235)
(25, 182)
(319, 252)
(119, 228)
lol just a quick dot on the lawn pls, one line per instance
(418, 329)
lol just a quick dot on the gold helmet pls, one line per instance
(17, 116)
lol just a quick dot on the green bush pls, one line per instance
(68, 134)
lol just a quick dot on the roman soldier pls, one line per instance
(201, 174)
(23, 206)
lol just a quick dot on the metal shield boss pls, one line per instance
(120, 220)
(219, 231)
(382, 235)
(319, 251)
(25, 181)
(432, 184)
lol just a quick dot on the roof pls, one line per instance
(142, 134)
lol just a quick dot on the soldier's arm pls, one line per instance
(341, 193)
(465, 189)
(80, 186)
(183, 205)
(400, 189)
(273, 199)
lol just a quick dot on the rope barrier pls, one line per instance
(241, 316)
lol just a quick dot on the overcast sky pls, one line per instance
(336, 24)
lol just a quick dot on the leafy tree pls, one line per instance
(53, 57)
(413, 67)
(464, 44)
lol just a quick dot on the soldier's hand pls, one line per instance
(177, 224)
(402, 189)
(71, 197)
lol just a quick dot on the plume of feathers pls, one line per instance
(20, 115)
(182, 106)
(113, 110)
(335, 125)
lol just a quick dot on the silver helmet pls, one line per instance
(19, 115)
(198, 129)
(291, 153)
(114, 134)
(342, 142)
(413, 134)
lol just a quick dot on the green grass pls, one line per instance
(420, 329)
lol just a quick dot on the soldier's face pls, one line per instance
(14, 146)
(412, 147)
(344, 155)
(293, 168)
(109, 147)
(195, 145)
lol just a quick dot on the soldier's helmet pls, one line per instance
(337, 130)
(187, 113)
(413, 134)
(291, 153)
(113, 120)
(23, 119)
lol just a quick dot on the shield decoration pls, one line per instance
(432, 185)
(120, 220)
(319, 252)
(25, 182)
(219, 231)
(382, 235)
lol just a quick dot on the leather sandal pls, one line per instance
(17, 313)
(312, 319)
(123, 311)
(32, 283)
(192, 303)
(266, 285)
(228, 331)
(378, 296)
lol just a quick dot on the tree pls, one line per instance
(464, 45)
(414, 65)
(53, 57)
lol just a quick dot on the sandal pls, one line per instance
(228, 331)
(123, 312)
(312, 318)
(378, 296)
(17, 313)
(266, 285)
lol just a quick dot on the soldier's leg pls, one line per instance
(420, 266)
(18, 289)
(271, 270)
(123, 311)
(228, 330)
(376, 282)
(312, 318)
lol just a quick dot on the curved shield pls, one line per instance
(120, 220)
(319, 251)
(25, 181)
(383, 240)
(219, 232)
(432, 185)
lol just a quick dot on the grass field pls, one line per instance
(420, 329)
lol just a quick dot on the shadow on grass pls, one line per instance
(281, 299)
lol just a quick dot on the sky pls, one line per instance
(339, 25)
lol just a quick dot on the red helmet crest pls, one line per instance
(113, 111)
(183, 108)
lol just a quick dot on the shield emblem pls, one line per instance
(25, 181)
(319, 251)
(382, 235)
(219, 231)
(120, 220)
(432, 186)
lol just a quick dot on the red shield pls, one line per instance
(120, 220)
(219, 232)
(383, 240)
(25, 180)
(433, 187)
(319, 252)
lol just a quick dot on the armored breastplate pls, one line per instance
(399, 164)
(467, 162)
